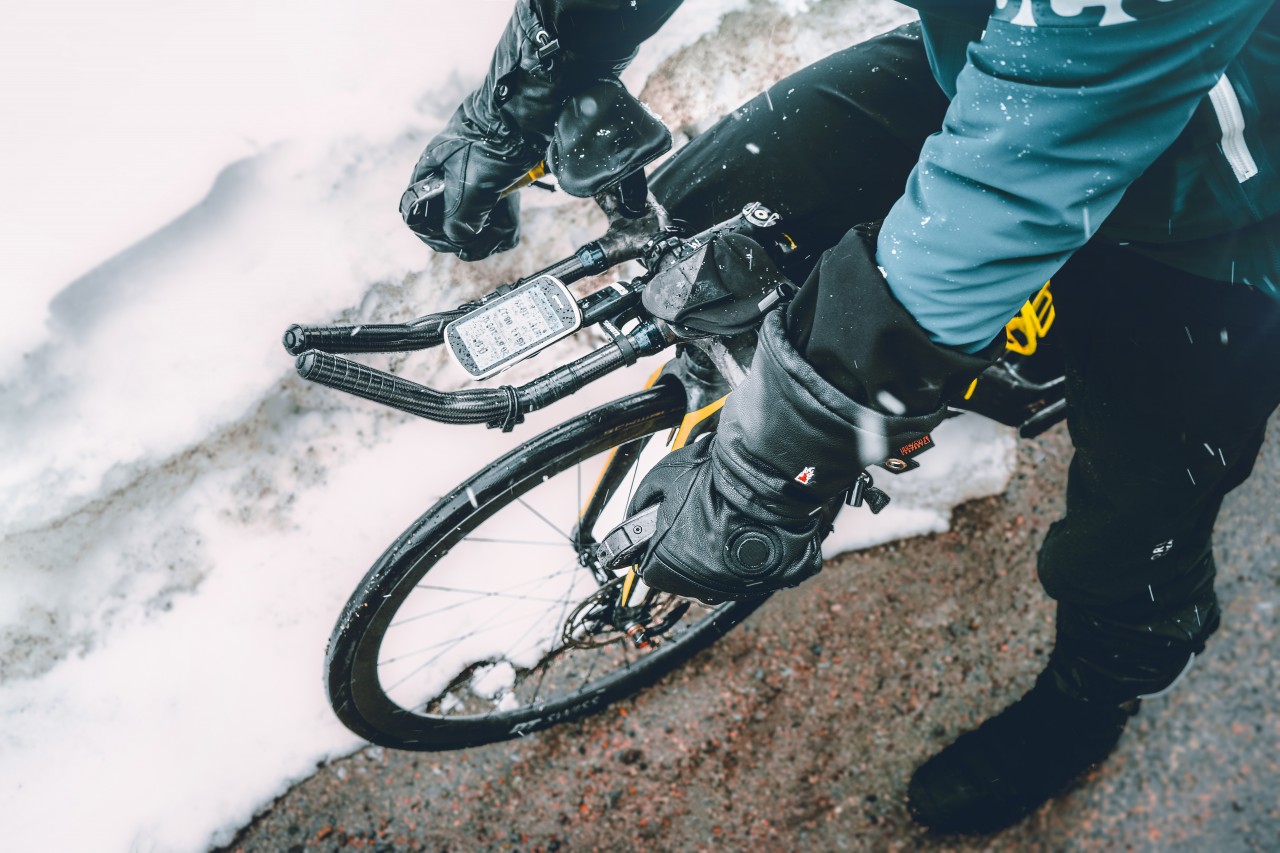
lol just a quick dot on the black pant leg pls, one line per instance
(1170, 381)
(828, 147)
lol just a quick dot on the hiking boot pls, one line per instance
(1103, 663)
(1002, 771)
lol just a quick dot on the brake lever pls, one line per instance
(627, 199)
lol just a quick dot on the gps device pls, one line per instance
(514, 326)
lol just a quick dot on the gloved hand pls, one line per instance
(496, 135)
(475, 164)
(741, 512)
(502, 130)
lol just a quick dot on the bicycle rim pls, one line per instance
(454, 637)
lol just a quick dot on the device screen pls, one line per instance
(513, 326)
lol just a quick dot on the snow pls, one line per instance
(182, 519)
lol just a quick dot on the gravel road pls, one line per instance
(800, 729)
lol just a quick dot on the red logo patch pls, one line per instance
(916, 446)
(805, 476)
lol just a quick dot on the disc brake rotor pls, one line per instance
(594, 622)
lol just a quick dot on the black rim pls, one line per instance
(354, 649)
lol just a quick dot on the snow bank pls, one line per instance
(182, 518)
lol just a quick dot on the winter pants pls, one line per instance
(1170, 378)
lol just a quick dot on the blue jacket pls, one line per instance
(1152, 123)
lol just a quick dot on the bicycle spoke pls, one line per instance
(631, 488)
(569, 567)
(450, 643)
(464, 603)
(510, 541)
(453, 641)
(476, 594)
(483, 628)
(595, 659)
(516, 641)
(542, 669)
(546, 520)
(537, 688)
(564, 602)
(626, 655)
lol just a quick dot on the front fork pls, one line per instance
(706, 389)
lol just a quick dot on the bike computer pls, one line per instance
(514, 326)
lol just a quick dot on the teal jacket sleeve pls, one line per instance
(1059, 107)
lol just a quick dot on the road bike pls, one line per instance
(494, 615)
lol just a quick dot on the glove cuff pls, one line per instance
(530, 77)
(791, 441)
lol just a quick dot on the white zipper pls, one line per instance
(1231, 119)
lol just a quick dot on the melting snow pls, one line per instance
(182, 519)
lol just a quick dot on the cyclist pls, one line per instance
(1127, 148)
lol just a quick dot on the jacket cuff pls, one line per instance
(846, 323)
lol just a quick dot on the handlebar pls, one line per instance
(498, 407)
(639, 228)
(422, 333)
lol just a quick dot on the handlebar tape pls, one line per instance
(382, 337)
(502, 407)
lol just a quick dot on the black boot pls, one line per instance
(1000, 772)
(1068, 723)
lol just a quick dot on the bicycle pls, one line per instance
(430, 654)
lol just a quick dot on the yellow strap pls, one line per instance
(628, 586)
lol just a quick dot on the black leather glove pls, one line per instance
(497, 134)
(473, 220)
(741, 512)
(550, 50)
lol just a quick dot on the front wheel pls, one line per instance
(482, 622)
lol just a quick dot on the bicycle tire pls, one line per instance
(355, 687)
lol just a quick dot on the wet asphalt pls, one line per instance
(800, 729)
